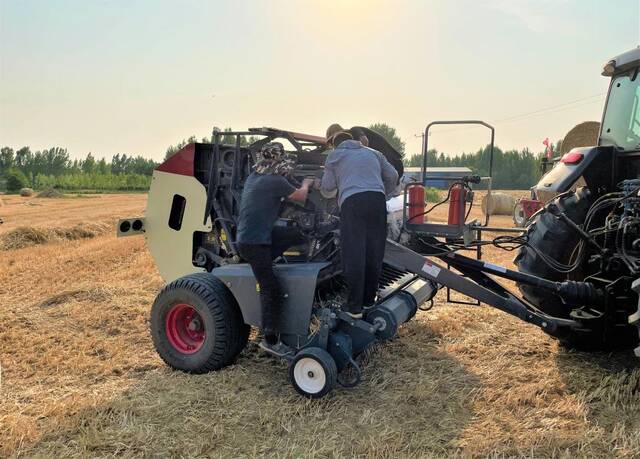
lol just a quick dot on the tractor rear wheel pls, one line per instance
(196, 324)
(551, 236)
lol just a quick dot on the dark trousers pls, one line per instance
(363, 234)
(260, 257)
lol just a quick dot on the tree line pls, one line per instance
(53, 167)
(512, 169)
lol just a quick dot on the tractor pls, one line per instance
(592, 233)
(583, 134)
(578, 261)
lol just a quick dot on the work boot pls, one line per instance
(278, 349)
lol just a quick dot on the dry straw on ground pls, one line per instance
(50, 193)
(80, 377)
(26, 236)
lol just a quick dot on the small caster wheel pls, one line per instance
(313, 372)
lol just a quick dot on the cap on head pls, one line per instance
(272, 150)
(340, 137)
(273, 159)
(333, 130)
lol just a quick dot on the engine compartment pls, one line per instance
(314, 221)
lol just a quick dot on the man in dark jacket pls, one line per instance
(372, 139)
(259, 243)
(363, 178)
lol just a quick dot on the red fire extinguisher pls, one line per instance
(457, 205)
(416, 204)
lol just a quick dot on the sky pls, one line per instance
(137, 76)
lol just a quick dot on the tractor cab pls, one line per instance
(615, 155)
(621, 118)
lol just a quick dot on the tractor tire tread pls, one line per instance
(551, 236)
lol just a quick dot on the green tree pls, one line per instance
(513, 169)
(102, 167)
(23, 158)
(55, 160)
(7, 159)
(389, 134)
(89, 164)
(15, 179)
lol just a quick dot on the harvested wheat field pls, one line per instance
(80, 376)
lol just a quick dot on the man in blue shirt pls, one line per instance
(363, 179)
(264, 191)
(372, 139)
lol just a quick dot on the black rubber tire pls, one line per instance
(329, 366)
(226, 332)
(554, 238)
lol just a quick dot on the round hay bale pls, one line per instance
(498, 203)
(50, 193)
(582, 135)
(26, 192)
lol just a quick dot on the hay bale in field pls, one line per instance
(23, 237)
(498, 203)
(50, 193)
(28, 236)
(26, 192)
(582, 135)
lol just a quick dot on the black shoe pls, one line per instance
(271, 338)
(278, 349)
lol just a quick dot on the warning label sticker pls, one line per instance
(430, 269)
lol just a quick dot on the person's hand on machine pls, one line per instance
(308, 182)
(300, 195)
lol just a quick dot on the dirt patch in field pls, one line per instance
(96, 295)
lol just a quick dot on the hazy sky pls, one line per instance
(136, 76)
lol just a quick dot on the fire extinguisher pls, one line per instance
(416, 204)
(457, 204)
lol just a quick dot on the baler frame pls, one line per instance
(344, 337)
(314, 328)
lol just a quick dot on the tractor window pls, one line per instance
(621, 123)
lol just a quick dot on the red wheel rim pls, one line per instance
(185, 328)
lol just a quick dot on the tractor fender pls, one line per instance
(590, 163)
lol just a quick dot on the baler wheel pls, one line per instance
(313, 372)
(196, 324)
